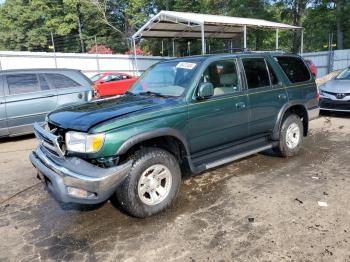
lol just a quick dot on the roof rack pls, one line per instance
(245, 50)
(230, 50)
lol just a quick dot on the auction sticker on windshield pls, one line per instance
(186, 65)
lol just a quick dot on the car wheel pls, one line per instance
(291, 136)
(152, 183)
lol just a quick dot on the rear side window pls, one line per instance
(111, 78)
(295, 68)
(256, 72)
(61, 81)
(22, 83)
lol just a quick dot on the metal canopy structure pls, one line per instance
(175, 25)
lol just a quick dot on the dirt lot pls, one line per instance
(262, 208)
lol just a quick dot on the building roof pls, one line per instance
(170, 24)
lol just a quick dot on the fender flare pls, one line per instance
(283, 110)
(153, 134)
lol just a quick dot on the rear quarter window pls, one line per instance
(61, 81)
(294, 68)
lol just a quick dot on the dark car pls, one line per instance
(186, 114)
(27, 95)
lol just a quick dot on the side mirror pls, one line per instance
(205, 90)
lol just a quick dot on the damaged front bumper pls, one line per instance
(72, 179)
(67, 176)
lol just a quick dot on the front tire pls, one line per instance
(291, 136)
(152, 184)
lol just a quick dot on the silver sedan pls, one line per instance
(335, 94)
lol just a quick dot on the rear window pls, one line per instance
(22, 83)
(61, 81)
(294, 67)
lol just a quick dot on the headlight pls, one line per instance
(84, 143)
(322, 93)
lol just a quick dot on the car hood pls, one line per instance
(85, 116)
(336, 86)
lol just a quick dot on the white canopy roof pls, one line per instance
(170, 24)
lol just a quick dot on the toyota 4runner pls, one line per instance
(185, 114)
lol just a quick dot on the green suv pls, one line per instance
(186, 114)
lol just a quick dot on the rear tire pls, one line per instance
(152, 184)
(291, 136)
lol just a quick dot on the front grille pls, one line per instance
(334, 104)
(335, 94)
(50, 139)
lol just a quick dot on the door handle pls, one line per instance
(282, 96)
(240, 105)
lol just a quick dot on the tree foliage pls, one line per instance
(28, 24)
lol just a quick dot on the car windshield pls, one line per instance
(166, 79)
(345, 74)
(95, 77)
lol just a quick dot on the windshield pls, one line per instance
(166, 79)
(95, 77)
(345, 74)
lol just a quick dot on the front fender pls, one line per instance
(161, 132)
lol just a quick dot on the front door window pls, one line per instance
(224, 77)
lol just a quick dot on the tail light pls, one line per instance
(318, 95)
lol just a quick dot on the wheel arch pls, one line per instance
(297, 108)
(169, 139)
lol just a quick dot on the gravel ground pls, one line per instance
(262, 208)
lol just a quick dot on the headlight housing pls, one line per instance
(84, 143)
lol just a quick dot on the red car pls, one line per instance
(112, 83)
(312, 67)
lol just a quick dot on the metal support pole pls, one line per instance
(173, 48)
(231, 46)
(162, 48)
(277, 39)
(245, 37)
(302, 42)
(203, 40)
(135, 58)
(54, 50)
(97, 59)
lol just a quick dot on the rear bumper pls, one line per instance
(63, 174)
(313, 113)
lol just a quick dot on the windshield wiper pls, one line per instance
(152, 94)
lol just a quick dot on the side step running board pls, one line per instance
(238, 156)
